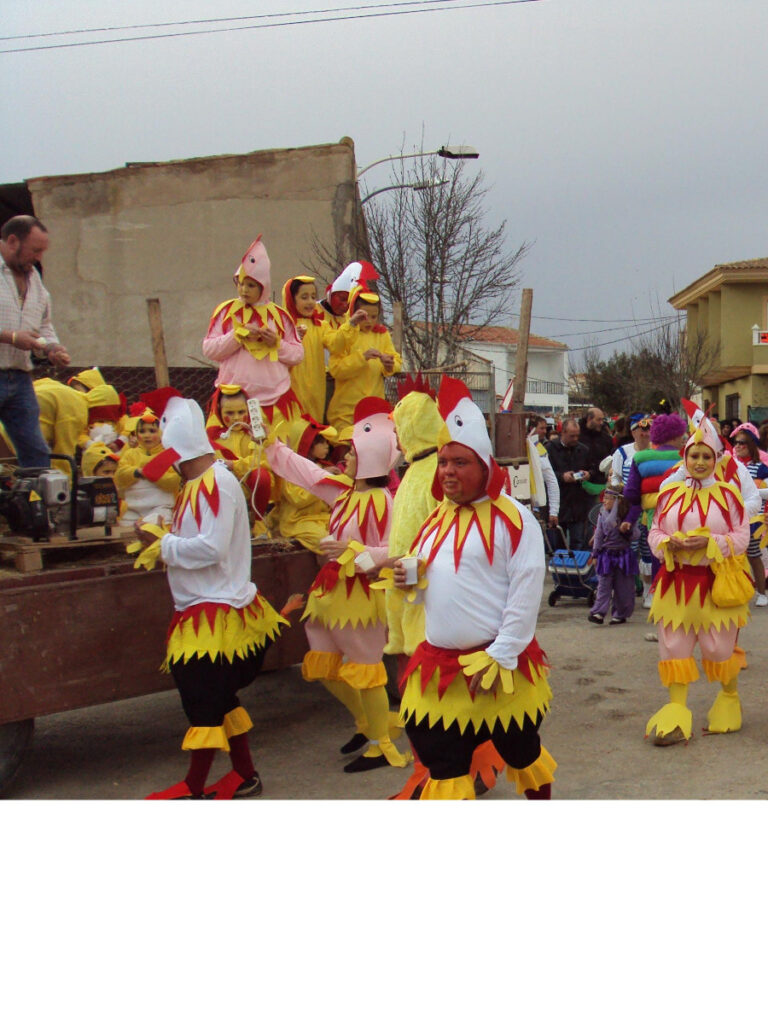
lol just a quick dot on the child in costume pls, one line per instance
(313, 327)
(300, 515)
(221, 625)
(229, 430)
(106, 409)
(362, 355)
(346, 620)
(254, 341)
(99, 460)
(480, 674)
(336, 302)
(63, 418)
(150, 501)
(699, 521)
(616, 562)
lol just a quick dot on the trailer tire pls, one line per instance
(15, 738)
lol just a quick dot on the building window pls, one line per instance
(732, 406)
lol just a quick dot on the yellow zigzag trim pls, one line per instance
(457, 705)
(694, 615)
(335, 609)
(230, 637)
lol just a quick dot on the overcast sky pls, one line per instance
(624, 140)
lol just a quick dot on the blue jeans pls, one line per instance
(20, 415)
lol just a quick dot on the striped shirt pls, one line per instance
(34, 314)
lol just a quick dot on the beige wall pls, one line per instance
(176, 232)
(742, 306)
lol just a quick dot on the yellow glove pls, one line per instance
(481, 661)
(148, 556)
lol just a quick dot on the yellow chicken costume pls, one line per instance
(357, 377)
(308, 376)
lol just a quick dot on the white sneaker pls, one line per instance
(647, 601)
(761, 601)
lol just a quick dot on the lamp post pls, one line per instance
(416, 186)
(446, 152)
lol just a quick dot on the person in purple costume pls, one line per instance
(616, 562)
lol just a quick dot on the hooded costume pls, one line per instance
(358, 273)
(63, 418)
(683, 605)
(346, 619)
(300, 515)
(357, 377)
(483, 574)
(308, 376)
(418, 424)
(221, 625)
(261, 370)
(238, 447)
(141, 498)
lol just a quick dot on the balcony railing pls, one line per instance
(544, 387)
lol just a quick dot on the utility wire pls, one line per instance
(213, 21)
(440, 6)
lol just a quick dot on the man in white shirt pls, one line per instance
(221, 626)
(480, 674)
(25, 327)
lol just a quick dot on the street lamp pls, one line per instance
(416, 186)
(446, 152)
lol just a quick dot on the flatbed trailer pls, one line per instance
(86, 634)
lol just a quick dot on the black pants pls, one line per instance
(208, 688)
(447, 753)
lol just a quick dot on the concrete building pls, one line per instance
(176, 231)
(728, 306)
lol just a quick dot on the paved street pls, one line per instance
(605, 688)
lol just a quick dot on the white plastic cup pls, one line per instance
(364, 562)
(411, 566)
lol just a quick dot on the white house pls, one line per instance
(547, 384)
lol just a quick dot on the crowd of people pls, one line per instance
(436, 567)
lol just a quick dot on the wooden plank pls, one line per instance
(162, 377)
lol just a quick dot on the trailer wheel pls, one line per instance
(552, 599)
(15, 737)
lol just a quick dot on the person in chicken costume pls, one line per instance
(699, 523)
(336, 301)
(362, 355)
(480, 674)
(221, 625)
(254, 341)
(313, 327)
(228, 426)
(345, 618)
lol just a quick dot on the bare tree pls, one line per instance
(667, 365)
(435, 256)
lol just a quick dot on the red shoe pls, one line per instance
(233, 786)
(180, 791)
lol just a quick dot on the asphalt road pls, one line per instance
(605, 688)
